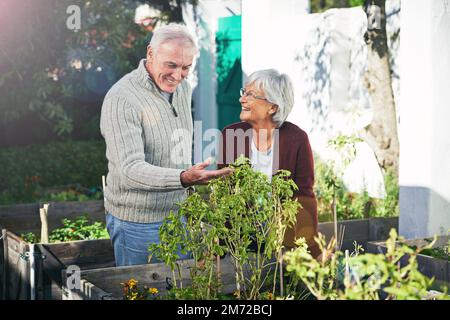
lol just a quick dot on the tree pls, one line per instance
(56, 78)
(381, 134)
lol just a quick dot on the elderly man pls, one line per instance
(148, 167)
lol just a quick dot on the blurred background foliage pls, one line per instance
(53, 79)
(352, 205)
(323, 5)
(68, 170)
(52, 83)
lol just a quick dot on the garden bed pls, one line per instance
(52, 258)
(105, 283)
(96, 259)
(362, 230)
(429, 266)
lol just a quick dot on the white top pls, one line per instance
(262, 161)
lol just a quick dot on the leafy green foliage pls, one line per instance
(30, 237)
(387, 207)
(74, 195)
(323, 5)
(55, 75)
(367, 276)
(329, 185)
(78, 229)
(438, 252)
(244, 211)
(29, 172)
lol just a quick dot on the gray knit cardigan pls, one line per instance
(148, 144)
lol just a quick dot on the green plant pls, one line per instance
(439, 252)
(351, 205)
(244, 210)
(30, 237)
(75, 165)
(345, 148)
(74, 195)
(367, 276)
(62, 75)
(388, 207)
(78, 229)
(323, 5)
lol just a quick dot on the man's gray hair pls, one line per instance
(170, 32)
(278, 89)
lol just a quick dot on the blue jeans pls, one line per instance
(131, 240)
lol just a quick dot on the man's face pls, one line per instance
(169, 64)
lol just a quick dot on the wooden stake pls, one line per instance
(280, 257)
(103, 189)
(218, 268)
(43, 212)
(341, 236)
(103, 184)
(336, 246)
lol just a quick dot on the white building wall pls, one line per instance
(425, 113)
(325, 56)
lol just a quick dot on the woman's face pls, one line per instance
(255, 108)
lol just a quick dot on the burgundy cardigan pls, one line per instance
(292, 152)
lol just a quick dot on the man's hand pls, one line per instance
(198, 175)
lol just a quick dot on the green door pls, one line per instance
(229, 70)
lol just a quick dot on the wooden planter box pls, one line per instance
(104, 284)
(429, 266)
(50, 259)
(362, 230)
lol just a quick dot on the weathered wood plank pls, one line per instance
(105, 283)
(73, 209)
(87, 254)
(2, 264)
(81, 248)
(379, 228)
(52, 264)
(432, 267)
(24, 218)
(11, 211)
(429, 266)
(355, 230)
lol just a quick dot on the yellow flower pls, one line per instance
(237, 293)
(269, 296)
(153, 290)
(132, 283)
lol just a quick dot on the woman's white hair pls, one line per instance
(278, 89)
(170, 32)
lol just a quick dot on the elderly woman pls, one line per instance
(273, 144)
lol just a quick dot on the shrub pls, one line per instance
(28, 172)
(78, 229)
(366, 276)
(247, 213)
(352, 205)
